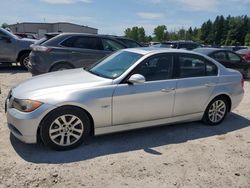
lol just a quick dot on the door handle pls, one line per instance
(167, 90)
(210, 85)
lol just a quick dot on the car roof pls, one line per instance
(95, 35)
(155, 50)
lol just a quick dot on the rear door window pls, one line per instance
(194, 66)
(82, 42)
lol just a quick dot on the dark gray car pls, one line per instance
(74, 50)
(14, 49)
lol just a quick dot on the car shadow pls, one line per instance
(142, 139)
(12, 69)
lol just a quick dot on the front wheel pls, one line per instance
(216, 111)
(65, 128)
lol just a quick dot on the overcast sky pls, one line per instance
(113, 16)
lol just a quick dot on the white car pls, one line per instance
(130, 89)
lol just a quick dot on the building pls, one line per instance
(41, 28)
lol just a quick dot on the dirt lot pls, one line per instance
(183, 155)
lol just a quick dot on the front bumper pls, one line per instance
(23, 125)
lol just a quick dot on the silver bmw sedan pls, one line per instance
(130, 89)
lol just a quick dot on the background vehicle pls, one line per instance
(132, 88)
(187, 45)
(244, 53)
(73, 50)
(26, 35)
(14, 49)
(227, 58)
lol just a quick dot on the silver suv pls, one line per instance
(14, 49)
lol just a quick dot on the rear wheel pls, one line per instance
(216, 111)
(65, 128)
(24, 59)
(60, 67)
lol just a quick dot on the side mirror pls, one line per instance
(136, 79)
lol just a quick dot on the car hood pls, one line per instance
(32, 41)
(58, 82)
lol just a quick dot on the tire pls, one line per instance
(60, 67)
(216, 111)
(65, 128)
(24, 59)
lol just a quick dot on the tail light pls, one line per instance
(242, 82)
(40, 48)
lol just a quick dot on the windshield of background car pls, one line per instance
(7, 33)
(115, 65)
(202, 50)
(130, 43)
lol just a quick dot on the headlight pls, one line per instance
(25, 105)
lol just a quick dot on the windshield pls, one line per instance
(114, 65)
(130, 43)
(6, 32)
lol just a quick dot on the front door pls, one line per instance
(151, 100)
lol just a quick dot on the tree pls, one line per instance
(247, 39)
(160, 33)
(207, 32)
(218, 26)
(189, 34)
(4, 25)
(136, 33)
(182, 34)
(141, 35)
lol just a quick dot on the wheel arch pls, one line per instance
(224, 95)
(63, 63)
(92, 131)
(21, 53)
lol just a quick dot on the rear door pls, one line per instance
(196, 80)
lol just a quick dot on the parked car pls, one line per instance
(26, 35)
(187, 45)
(244, 53)
(130, 89)
(227, 58)
(73, 50)
(14, 49)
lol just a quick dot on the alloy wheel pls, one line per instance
(26, 61)
(217, 111)
(66, 130)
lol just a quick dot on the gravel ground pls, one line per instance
(182, 155)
